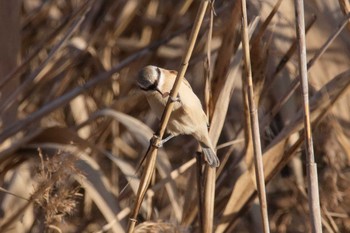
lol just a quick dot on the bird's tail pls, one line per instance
(210, 156)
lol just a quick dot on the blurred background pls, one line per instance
(74, 126)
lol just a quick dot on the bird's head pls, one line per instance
(148, 78)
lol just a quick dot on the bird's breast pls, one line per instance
(157, 103)
(179, 123)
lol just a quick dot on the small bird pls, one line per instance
(187, 116)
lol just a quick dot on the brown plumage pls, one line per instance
(187, 117)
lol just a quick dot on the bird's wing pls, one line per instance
(186, 83)
(192, 105)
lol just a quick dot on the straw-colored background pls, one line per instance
(74, 124)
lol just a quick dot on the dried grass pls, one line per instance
(72, 94)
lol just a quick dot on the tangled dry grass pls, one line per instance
(74, 126)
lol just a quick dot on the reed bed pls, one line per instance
(75, 127)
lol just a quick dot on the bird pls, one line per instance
(187, 117)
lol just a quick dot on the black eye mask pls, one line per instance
(154, 86)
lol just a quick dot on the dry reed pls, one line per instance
(67, 83)
(311, 166)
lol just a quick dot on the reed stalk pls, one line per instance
(311, 166)
(254, 121)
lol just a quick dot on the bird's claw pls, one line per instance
(176, 99)
(156, 142)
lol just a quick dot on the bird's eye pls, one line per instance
(150, 87)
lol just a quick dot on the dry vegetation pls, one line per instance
(74, 126)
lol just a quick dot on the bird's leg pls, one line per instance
(170, 136)
(159, 143)
(176, 99)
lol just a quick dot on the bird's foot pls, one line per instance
(156, 142)
(176, 99)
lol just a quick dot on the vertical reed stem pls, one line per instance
(259, 170)
(314, 202)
